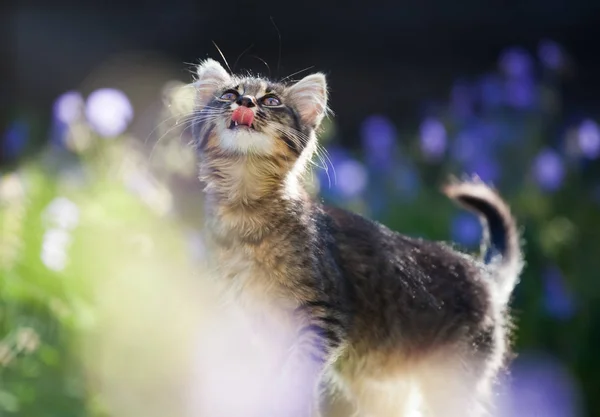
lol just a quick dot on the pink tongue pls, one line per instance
(243, 116)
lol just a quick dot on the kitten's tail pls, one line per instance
(501, 246)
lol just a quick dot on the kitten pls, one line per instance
(357, 319)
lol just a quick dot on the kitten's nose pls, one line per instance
(247, 101)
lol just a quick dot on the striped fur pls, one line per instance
(356, 319)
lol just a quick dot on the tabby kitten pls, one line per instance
(357, 319)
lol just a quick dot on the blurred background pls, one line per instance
(100, 209)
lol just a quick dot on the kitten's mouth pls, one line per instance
(242, 118)
(236, 125)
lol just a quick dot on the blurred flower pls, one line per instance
(548, 170)
(60, 216)
(464, 147)
(551, 54)
(433, 139)
(352, 178)
(485, 167)
(491, 90)
(379, 141)
(540, 385)
(108, 111)
(558, 300)
(54, 249)
(68, 108)
(15, 139)
(520, 92)
(516, 62)
(476, 141)
(588, 139)
(62, 213)
(466, 229)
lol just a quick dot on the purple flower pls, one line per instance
(548, 170)
(558, 300)
(433, 139)
(68, 107)
(15, 139)
(516, 63)
(476, 142)
(539, 385)
(588, 138)
(485, 167)
(379, 140)
(466, 229)
(109, 112)
(352, 178)
(520, 92)
(491, 90)
(464, 148)
(551, 54)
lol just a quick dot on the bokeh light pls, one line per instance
(539, 385)
(466, 229)
(549, 170)
(589, 139)
(69, 107)
(352, 178)
(379, 138)
(433, 139)
(551, 54)
(109, 112)
(516, 62)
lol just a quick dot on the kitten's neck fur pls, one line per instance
(249, 196)
(259, 231)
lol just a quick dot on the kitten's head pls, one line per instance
(245, 115)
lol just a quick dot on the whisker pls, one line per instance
(241, 55)
(264, 62)
(222, 56)
(279, 52)
(296, 73)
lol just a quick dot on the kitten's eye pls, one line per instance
(271, 101)
(229, 96)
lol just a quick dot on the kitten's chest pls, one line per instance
(249, 278)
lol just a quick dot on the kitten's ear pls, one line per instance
(210, 76)
(309, 95)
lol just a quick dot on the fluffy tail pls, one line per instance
(501, 241)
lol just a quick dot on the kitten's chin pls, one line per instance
(246, 141)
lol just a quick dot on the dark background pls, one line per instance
(390, 57)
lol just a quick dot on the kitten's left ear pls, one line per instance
(309, 95)
(211, 76)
